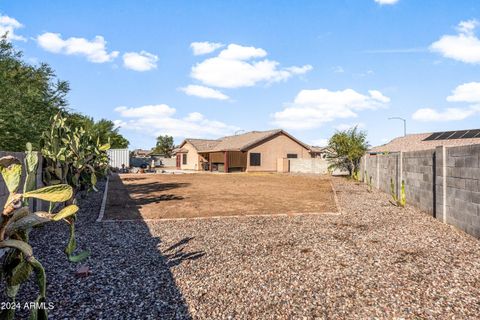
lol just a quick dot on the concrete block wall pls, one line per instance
(444, 182)
(388, 168)
(418, 175)
(368, 169)
(306, 165)
(462, 201)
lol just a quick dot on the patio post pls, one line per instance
(225, 161)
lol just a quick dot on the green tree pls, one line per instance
(79, 120)
(29, 96)
(164, 145)
(346, 148)
(104, 130)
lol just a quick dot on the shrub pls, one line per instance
(346, 148)
(16, 222)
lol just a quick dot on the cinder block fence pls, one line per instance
(444, 182)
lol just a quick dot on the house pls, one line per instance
(426, 141)
(248, 152)
(140, 153)
(319, 152)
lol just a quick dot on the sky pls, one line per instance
(206, 69)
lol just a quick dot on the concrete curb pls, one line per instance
(293, 214)
(104, 202)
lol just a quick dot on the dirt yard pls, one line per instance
(134, 196)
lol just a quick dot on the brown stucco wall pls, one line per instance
(274, 149)
(192, 158)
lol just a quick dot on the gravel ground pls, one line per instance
(372, 261)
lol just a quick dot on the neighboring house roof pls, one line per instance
(140, 152)
(241, 142)
(416, 142)
(316, 149)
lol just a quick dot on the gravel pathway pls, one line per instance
(373, 261)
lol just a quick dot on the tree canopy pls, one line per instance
(164, 145)
(105, 130)
(346, 148)
(29, 96)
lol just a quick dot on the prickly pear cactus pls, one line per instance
(19, 263)
(72, 156)
(398, 201)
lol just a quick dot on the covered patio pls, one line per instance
(223, 161)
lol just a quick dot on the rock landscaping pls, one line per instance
(372, 261)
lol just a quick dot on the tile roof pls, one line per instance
(240, 142)
(243, 141)
(318, 149)
(414, 142)
(202, 144)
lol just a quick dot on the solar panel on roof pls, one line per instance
(458, 134)
(471, 134)
(448, 135)
(445, 135)
(432, 136)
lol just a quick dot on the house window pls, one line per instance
(184, 158)
(292, 156)
(255, 159)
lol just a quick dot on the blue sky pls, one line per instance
(210, 68)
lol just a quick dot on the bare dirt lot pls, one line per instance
(157, 196)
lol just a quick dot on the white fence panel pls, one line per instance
(117, 157)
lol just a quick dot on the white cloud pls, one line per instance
(236, 67)
(466, 93)
(204, 92)
(157, 110)
(312, 108)
(338, 69)
(154, 120)
(205, 47)
(195, 116)
(465, 46)
(449, 114)
(467, 27)
(382, 2)
(8, 24)
(299, 70)
(237, 52)
(140, 61)
(94, 50)
(377, 95)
